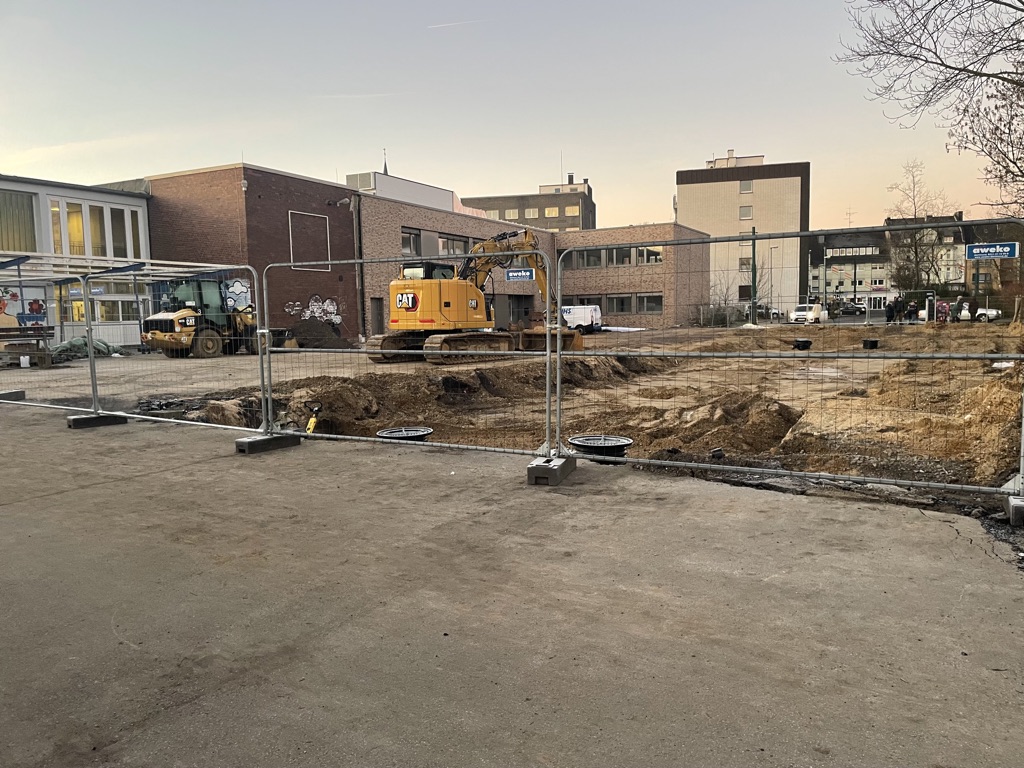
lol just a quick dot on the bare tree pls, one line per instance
(915, 257)
(994, 129)
(962, 60)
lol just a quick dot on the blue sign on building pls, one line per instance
(513, 275)
(993, 251)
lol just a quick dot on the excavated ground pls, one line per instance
(951, 421)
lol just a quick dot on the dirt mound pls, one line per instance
(316, 334)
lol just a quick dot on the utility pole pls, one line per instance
(753, 277)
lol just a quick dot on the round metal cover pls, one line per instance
(405, 433)
(600, 441)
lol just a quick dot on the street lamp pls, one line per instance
(771, 279)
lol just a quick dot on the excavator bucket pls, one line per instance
(532, 340)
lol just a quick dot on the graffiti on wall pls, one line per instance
(32, 306)
(326, 310)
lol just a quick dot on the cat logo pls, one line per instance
(472, 303)
(406, 301)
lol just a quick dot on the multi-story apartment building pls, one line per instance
(556, 207)
(734, 196)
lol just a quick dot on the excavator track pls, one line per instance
(395, 347)
(437, 345)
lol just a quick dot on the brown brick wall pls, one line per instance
(198, 217)
(205, 216)
(269, 198)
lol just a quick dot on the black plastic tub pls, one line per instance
(410, 434)
(802, 344)
(870, 343)
(611, 446)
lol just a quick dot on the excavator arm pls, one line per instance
(498, 252)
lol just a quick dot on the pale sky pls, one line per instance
(483, 97)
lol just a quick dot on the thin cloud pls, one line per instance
(454, 24)
(359, 95)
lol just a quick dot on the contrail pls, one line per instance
(454, 24)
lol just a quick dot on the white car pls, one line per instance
(983, 315)
(802, 313)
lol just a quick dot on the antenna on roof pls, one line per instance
(385, 161)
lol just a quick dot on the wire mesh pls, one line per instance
(843, 394)
(478, 398)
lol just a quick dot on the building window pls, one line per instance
(571, 229)
(448, 245)
(572, 210)
(55, 224)
(17, 222)
(746, 211)
(109, 230)
(551, 213)
(98, 233)
(620, 256)
(492, 215)
(592, 301)
(592, 259)
(743, 293)
(511, 213)
(76, 230)
(746, 185)
(650, 304)
(648, 255)
(745, 262)
(620, 305)
(411, 242)
(531, 213)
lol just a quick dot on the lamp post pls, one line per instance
(771, 279)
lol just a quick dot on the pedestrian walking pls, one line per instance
(898, 308)
(957, 309)
(890, 312)
(912, 312)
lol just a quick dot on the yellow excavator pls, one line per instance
(439, 307)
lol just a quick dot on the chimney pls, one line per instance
(570, 177)
(586, 181)
(732, 153)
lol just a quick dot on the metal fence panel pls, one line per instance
(696, 380)
(97, 312)
(476, 399)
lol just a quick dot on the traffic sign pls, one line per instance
(993, 251)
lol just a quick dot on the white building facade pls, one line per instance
(734, 196)
(53, 221)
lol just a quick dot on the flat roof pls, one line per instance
(66, 185)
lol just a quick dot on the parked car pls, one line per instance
(983, 315)
(849, 308)
(765, 311)
(802, 313)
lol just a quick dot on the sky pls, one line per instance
(483, 98)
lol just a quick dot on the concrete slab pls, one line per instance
(382, 605)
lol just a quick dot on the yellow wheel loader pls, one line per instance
(202, 318)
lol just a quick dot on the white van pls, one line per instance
(585, 318)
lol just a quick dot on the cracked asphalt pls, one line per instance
(167, 602)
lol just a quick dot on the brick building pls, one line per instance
(247, 215)
(635, 283)
(555, 207)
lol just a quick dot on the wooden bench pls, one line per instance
(29, 341)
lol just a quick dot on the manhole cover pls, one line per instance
(405, 433)
(612, 446)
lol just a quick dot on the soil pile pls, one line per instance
(316, 334)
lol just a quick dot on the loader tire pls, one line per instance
(207, 343)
